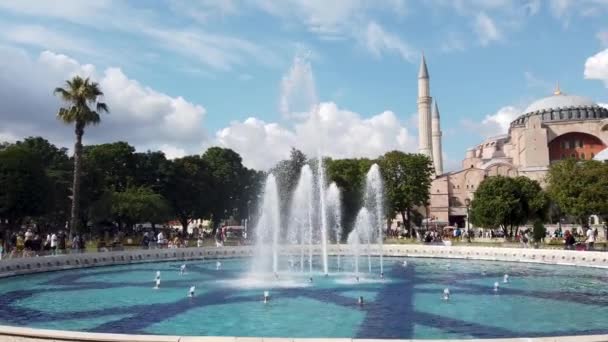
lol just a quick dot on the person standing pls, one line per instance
(160, 239)
(54, 244)
(590, 239)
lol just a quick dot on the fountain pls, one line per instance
(359, 232)
(267, 230)
(302, 216)
(334, 207)
(374, 202)
(321, 186)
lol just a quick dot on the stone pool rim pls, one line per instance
(22, 266)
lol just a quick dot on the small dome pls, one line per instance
(602, 156)
(559, 101)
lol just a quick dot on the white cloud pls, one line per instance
(605, 105)
(214, 50)
(71, 10)
(344, 19)
(341, 133)
(44, 37)
(486, 29)
(379, 42)
(494, 124)
(144, 117)
(596, 67)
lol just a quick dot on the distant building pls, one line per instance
(551, 129)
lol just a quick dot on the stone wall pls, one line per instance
(17, 266)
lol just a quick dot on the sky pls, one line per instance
(263, 76)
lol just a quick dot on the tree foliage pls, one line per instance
(407, 181)
(138, 204)
(579, 188)
(58, 168)
(24, 185)
(228, 176)
(189, 189)
(505, 202)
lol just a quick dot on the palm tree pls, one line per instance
(79, 95)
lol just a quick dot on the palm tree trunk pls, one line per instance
(74, 222)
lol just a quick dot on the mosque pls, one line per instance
(552, 128)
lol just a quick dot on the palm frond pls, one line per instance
(102, 107)
(64, 94)
(81, 94)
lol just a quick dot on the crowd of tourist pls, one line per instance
(28, 243)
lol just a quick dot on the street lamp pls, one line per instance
(467, 202)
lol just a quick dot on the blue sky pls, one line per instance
(184, 75)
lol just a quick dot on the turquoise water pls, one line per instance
(539, 300)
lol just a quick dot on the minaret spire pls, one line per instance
(424, 110)
(423, 72)
(436, 133)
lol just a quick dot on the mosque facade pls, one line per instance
(551, 129)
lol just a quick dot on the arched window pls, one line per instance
(583, 156)
(592, 155)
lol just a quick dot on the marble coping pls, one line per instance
(18, 334)
(19, 266)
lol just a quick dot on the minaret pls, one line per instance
(436, 133)
(424, 111)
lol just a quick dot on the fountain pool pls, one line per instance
(538, 300)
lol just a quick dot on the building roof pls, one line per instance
(562, 107)
(560, 100)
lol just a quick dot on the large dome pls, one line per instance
(562, 107)
(559, 101)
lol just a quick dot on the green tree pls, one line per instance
(538, 231)
(117, 163)
(189, 189)
(80, 95)
(137, 205)
(227, 176)
(24, 186)
(349, 176)
(507, 203)
(407, 181)
(58, 168)
(579, 188)
(151, 170)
